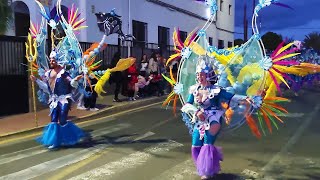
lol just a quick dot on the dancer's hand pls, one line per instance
(33, 78)
(249, 100)
(78, 77)
(201, 115)
(255, 101)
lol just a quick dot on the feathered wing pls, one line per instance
(277, 68)
(36, 51)
(73, 17)
(82, 63)
(181, 47)
(242, 74)
(67, 47)
(282, 66)
(40, 35)
(122, 65)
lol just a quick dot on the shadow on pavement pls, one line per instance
(227, 176)
(117, 140)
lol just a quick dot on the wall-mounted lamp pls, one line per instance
(93, 9)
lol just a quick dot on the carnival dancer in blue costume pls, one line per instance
(207, 118)
(58, 84)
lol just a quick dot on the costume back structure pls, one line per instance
(244, 71)
(74, 61)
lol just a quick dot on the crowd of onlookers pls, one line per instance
(142, 79)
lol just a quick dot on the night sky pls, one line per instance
(297, 23)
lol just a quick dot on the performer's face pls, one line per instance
(201, 77)
(53, 63)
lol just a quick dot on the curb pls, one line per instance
(118, 108)
(101, 113)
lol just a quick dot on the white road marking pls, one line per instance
(17, 152)
(31, 152)
(131, 161)
(58, 163)
(21, 156)
(55, 164)
(291, 142)
(144, 136)
(291, 115)
(179, 172)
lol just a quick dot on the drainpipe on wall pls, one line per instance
(129, 27)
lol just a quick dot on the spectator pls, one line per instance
(116, 77)
(144, 65)
(163, 70)
(155, 84)
(80, 104)
(174, 66)
(141, 87)
(153, 64)
(90, 97)
(132, 80)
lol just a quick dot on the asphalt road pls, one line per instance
(150, 143)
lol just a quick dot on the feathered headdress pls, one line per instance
(205, 65)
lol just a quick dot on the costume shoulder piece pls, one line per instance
(193, 88)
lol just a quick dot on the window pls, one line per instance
(183, 35)
(221, 5)
(210, 41)
(139, 32)
(163, 36)
(230, 44)
(21, 18)
(230, 9)
(220, 44)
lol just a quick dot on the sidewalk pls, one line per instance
(21, 123)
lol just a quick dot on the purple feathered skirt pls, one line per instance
(207, 159)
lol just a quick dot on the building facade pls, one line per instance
(150, 21)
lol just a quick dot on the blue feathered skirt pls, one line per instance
(56, 135)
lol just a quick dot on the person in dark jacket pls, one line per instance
(90, 98)
(116, 77)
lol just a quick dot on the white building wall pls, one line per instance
(34, 12)
(152, 14)
(156, 15)
(33, 15)
(225, 21)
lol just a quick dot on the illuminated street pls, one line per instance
(153, 144)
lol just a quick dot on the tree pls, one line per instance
(312, 40)
(5, 15)
(238, 42)
(271, 40)
(289, 40)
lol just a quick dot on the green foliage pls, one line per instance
(5, 15)
(271, 40)
(238, 42)
(312, 40)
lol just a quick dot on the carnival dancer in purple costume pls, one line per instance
(58, 84)
(208, 118)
